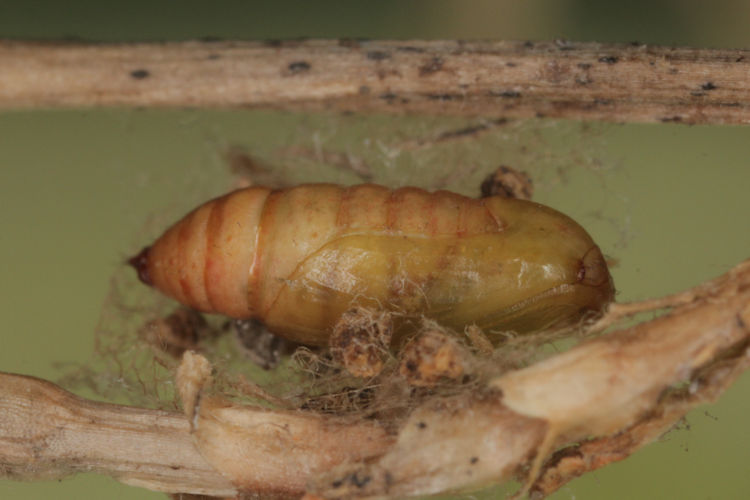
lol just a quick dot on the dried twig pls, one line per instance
(46, 433)
(495, 79)
(597, 403)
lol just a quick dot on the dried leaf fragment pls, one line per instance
(179, 331)
(508, 183)
(430, 357)
(361, 341)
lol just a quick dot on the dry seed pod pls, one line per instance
(299, 258)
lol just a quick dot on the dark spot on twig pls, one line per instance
(473, 460)
(697, 93)
(140, 74)
(273, 43)
(432, 66)
(213, 57)
(709, 86)
(740, 59)
(671, 119)
(410, 48)
(384, 72)
(388, 480)
(603, 102)
(514, 94)
(443, 97)
(364, 90)
(388, 96)
(421, 425)
(608, 59)
(378, 55)
(359, 482)
(298, 67)
(741, 323)
(528, 44)
(511, 64)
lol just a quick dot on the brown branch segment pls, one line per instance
(46, 433)
(619, 83)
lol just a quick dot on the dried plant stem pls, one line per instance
(596, 403)
(620, 83)
(47, 433)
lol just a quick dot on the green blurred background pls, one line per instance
(81, 190)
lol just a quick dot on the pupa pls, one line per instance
(298, 258)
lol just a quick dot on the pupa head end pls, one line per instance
(140, 264)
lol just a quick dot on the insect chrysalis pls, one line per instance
(299, 258)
